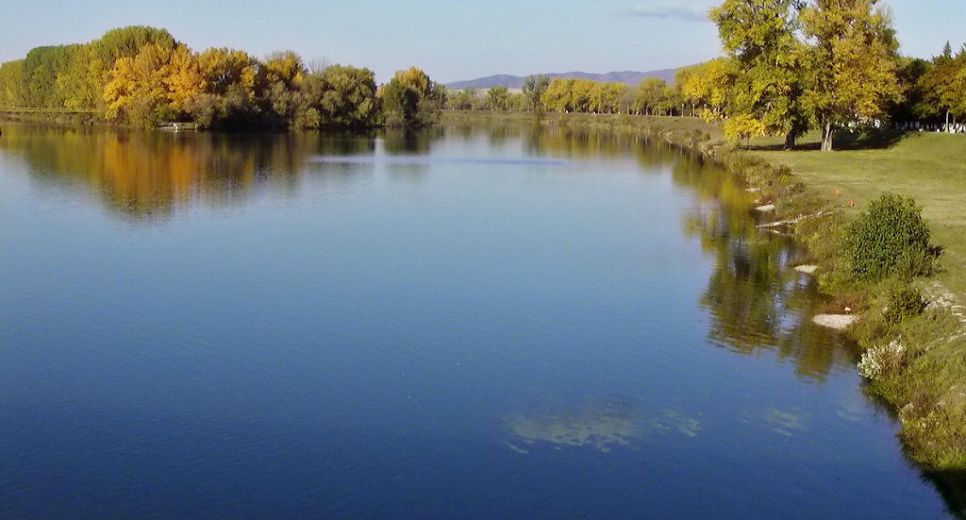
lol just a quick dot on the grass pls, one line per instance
(928, 167)
(921, 361)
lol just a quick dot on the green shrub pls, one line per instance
(904, 302)
(890, 239)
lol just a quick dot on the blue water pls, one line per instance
(470, 323)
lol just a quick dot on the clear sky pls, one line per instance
(450, 39)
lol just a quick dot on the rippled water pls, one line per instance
(466, 323)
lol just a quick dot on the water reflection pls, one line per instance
(147, 175)
(754, 303)
(755, 299)
(599, 424)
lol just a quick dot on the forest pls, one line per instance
(790, 67)
(142, 76)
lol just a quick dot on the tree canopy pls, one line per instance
(142, 76)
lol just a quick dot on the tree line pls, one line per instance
(143, 76)
(793, 65)
(541, 94)
(790, 66)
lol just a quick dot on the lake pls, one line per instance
(470, 322)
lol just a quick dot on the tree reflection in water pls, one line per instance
(754, 300)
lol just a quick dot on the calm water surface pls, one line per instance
(466, 323)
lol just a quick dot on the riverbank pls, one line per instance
(917, 366)
(52, 117)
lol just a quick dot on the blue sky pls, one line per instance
(450, 39)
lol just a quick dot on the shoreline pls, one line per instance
(925, 384)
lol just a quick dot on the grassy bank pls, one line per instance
(917, 363)
(928, 167)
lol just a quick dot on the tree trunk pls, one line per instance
(789, 141)
(946, 129)
(827, 137)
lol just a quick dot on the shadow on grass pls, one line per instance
(844, 140)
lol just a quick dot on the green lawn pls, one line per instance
(928, 167)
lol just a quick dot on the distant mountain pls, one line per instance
(504, 80)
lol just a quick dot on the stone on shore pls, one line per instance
(835, 321)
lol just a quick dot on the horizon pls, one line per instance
(451, 42)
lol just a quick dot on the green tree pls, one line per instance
(498, 98)
(81, 82)
(12, 84)
(760, 36)
(852, 63)
(278, 82)
(411, 100)
(465, 99)
(612, 97)
(348, 97)
(944, 83)
(649, 96)
(227, 99)
(40, 69)
(533, 89)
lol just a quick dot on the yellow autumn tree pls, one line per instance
(184, 80)
(138, 89)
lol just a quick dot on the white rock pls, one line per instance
(835, 321)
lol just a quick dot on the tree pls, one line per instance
(81, 82)
(611, 97)
(465, 99)
(760, 35)
(709, 86)
(852, 62)
(498, 98)
(533, 89)
(40, 70)
(944, 83)
(559, 97)
(411, 99)
(185, 80)
(278, 81)
(12, 84)
(348, 97)
(649, 95)
(743, 126)
(137, 91)
(228, 96)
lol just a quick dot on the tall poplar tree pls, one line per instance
(852, 60)
(760, 36)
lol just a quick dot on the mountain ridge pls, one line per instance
(510, 81)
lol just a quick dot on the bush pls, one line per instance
(904, 302)
(890, 239)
